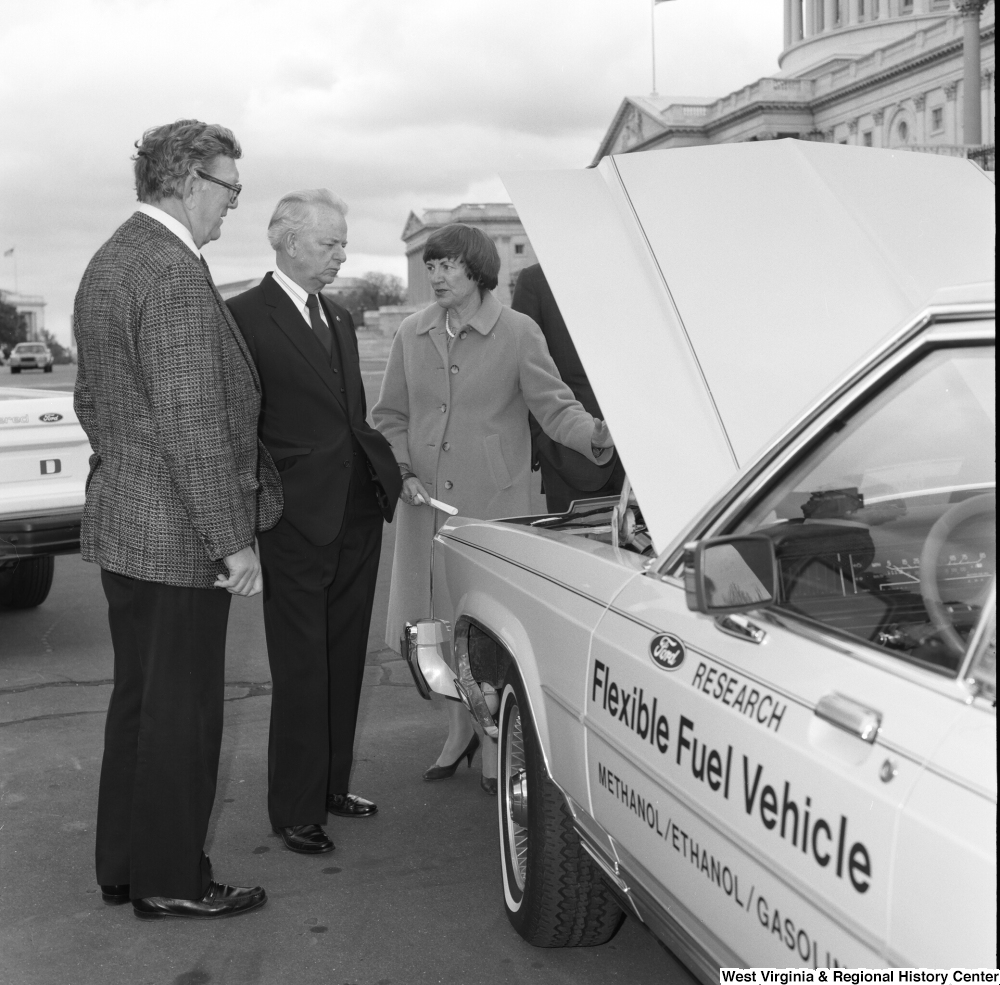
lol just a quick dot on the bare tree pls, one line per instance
(376, 290)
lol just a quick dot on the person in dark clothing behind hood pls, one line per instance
(566, 474)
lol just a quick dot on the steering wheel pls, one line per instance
(936, 539)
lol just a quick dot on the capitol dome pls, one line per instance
(822, 35)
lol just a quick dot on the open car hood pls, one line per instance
(714, 293)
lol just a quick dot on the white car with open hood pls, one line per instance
(753, 702)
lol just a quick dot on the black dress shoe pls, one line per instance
(115, 895)
(350, 805)
(489, 784)
(218, 901)
(443, 772)
(306, 839)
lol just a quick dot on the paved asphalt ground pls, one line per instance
(410, 896)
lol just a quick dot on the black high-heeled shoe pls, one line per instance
(443, 772)
(489, 785)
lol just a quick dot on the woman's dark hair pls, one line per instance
(469, 245)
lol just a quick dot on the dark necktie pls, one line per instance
(319, 327)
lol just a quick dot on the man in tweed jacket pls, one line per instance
(178, 488)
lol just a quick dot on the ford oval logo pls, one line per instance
(51, 417)
(667, 651)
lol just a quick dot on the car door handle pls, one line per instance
(850, 715)
(739, 626)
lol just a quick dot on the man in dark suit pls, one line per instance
(566, 474)
(178, 488)
(320, 561)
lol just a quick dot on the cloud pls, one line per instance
(396, 105)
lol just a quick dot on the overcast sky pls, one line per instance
(397, 105)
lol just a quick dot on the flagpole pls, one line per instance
(652, 35)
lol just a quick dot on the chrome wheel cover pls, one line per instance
(515, 794)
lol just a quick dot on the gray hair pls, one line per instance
(295, 210)
(167, 154)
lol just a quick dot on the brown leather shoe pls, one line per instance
(218, 901)
(115, 895)
(350, 805)
(306, 839)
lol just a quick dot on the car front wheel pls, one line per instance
(28, 584)
(553, 891)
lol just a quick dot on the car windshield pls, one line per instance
(31, 348)
(887, 530)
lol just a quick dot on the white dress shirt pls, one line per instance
(299, 297)
(177, 228)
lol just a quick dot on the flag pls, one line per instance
(9, 253)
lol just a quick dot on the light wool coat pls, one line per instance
(457, 411)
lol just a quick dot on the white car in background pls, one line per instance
(44, 456)
(752, 702)
(31, 355)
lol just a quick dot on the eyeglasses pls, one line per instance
(234, 190)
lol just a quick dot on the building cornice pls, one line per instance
(941, 53)
(710, 127)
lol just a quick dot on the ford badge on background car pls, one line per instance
(751, 702)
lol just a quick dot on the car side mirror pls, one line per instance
(730, 574)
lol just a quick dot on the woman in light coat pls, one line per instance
(461, 378)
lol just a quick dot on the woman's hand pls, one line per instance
(602, 436)
(413, 492)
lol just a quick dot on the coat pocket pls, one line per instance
(494, 458)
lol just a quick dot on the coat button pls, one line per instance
(447, 446)
(454, 369)
(462, 335)
(347, 465)
(444, 408)
(335, 369)
(449, 484)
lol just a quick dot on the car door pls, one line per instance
(946, 860)
(751, 769)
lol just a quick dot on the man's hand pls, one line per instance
(244, 574)
(413, 492)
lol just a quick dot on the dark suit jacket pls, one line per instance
(169, 398)
(306, 422)
(533, 297)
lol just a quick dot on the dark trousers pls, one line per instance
(317, 609)
(162, 736)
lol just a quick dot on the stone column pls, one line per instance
(972, 120)
(951, 120)
(920, 104)
(788, 22)
(850, 11)
(829, 15)
(796, 21)
(810, 17)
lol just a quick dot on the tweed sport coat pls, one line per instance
(169, 398)
(459, 416)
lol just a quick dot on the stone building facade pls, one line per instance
(31, 307)
(498, 220)
(879, 73)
